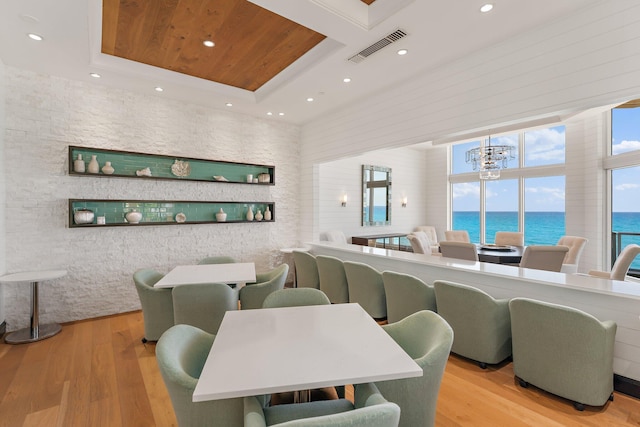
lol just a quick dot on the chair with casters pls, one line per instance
(181, 353)
(157, 305)
(621, 265)
(334, 236)
(306, 270)
(460, 250)
(405, 295)
(457, 236)
(203, 305)
(505, 238)
(427, 338)
(253, 294)
(481, 323)
(563, 350)
(220, 259)
(333, 280)
(370, 409)
(366, 288)
(542, 257)
(572, 258)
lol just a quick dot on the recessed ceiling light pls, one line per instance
(228, 104)
(309, 99)
(486, 8)
(35, 37)
(208, 43)
(95, 75)
(269, 113)
(159, 89)
(29, 18)
(346, 80)
(403, 52)
(281, 114)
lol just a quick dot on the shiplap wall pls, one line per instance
(589, 59)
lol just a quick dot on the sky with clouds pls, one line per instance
(625, 137)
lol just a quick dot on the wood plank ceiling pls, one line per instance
(252, 44)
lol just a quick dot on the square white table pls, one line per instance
(296, 348)
(237, 272)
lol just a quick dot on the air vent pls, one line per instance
(384, 42)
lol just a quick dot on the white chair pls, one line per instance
(431, 236)
(513, 238)
(541, 257)
(460, 250)
(457, 236)
(334, 236)
(572, 258)
(417, 244)
(622, 264)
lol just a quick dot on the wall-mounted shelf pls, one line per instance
(128, 164)
(166, 212)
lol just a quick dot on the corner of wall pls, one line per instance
(2, 185)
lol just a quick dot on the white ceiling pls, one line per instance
(439, 31)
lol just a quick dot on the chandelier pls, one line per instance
(488, 160)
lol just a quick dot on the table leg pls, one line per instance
(301, 396)
(35, 332)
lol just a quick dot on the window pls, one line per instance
(459, 154)
(544, 146)
(625, 218)
(544, 210)
(466, 208)
(501, 200)
(625, 130)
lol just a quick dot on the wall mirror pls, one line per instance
(376, 195)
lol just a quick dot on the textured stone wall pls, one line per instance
(45, 114)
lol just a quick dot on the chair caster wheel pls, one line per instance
(611, 397)
(578, 406)
(144, 340)
(482, 365)
(523, 383)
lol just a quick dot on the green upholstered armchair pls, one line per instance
(370, 409)
(157, 305)
(563, 350)
(366, 288)
(427, 338)
(181, 353)
(295, 298)
(306, 270)
(203, 305)
(481, 323)
(333, 280)
(253, 295)
(220, 259)
(406, 295)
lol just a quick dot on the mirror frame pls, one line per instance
(368, 186)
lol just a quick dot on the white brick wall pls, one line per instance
(46, 114)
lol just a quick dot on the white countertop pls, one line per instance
(33, 276)
(296, 348)
(237, 272)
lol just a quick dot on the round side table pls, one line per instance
(36, 331)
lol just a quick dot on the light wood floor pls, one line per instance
(98, 373)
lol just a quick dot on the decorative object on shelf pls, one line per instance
(181, 217)
(250, 177)
(133, 217)
(180, 168)
(78, 164)
(93, 167)
(144, 172)
(255, 180)
(259, 215)
(101, 220)
(220, 178)
(250, 214)
(490, 159)
(267, 214)
(264, 177)
(107, 169)
(221, 216)
(83, 216)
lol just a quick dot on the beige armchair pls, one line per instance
(572, 258)
(457, 236)
(622, 264)
(513, 238)
(541, 257)
(460, 250)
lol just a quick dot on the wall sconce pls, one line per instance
(343, 200)
(404, 202)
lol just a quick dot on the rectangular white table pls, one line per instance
(237, 272)
(273, 350)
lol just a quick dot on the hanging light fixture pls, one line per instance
(488, 160)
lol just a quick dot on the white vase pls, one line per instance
(258, 215)
(250, 214)
(107, 169)
(78, 164)
(133, 217)
(93, 167)
(267, 214)
(221, 216)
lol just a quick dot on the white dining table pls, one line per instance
(239, 273)
(274, 350)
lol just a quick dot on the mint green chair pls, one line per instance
(563, 350)
(157, 305)
(481, 324)
(220, 259)
(333, 280)
(252, 295)
(366, 288)
(295, 297)
(370, 409)
(306, 270)
(181, 353)
(406, 295)
(427, 338)
(203, 305)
